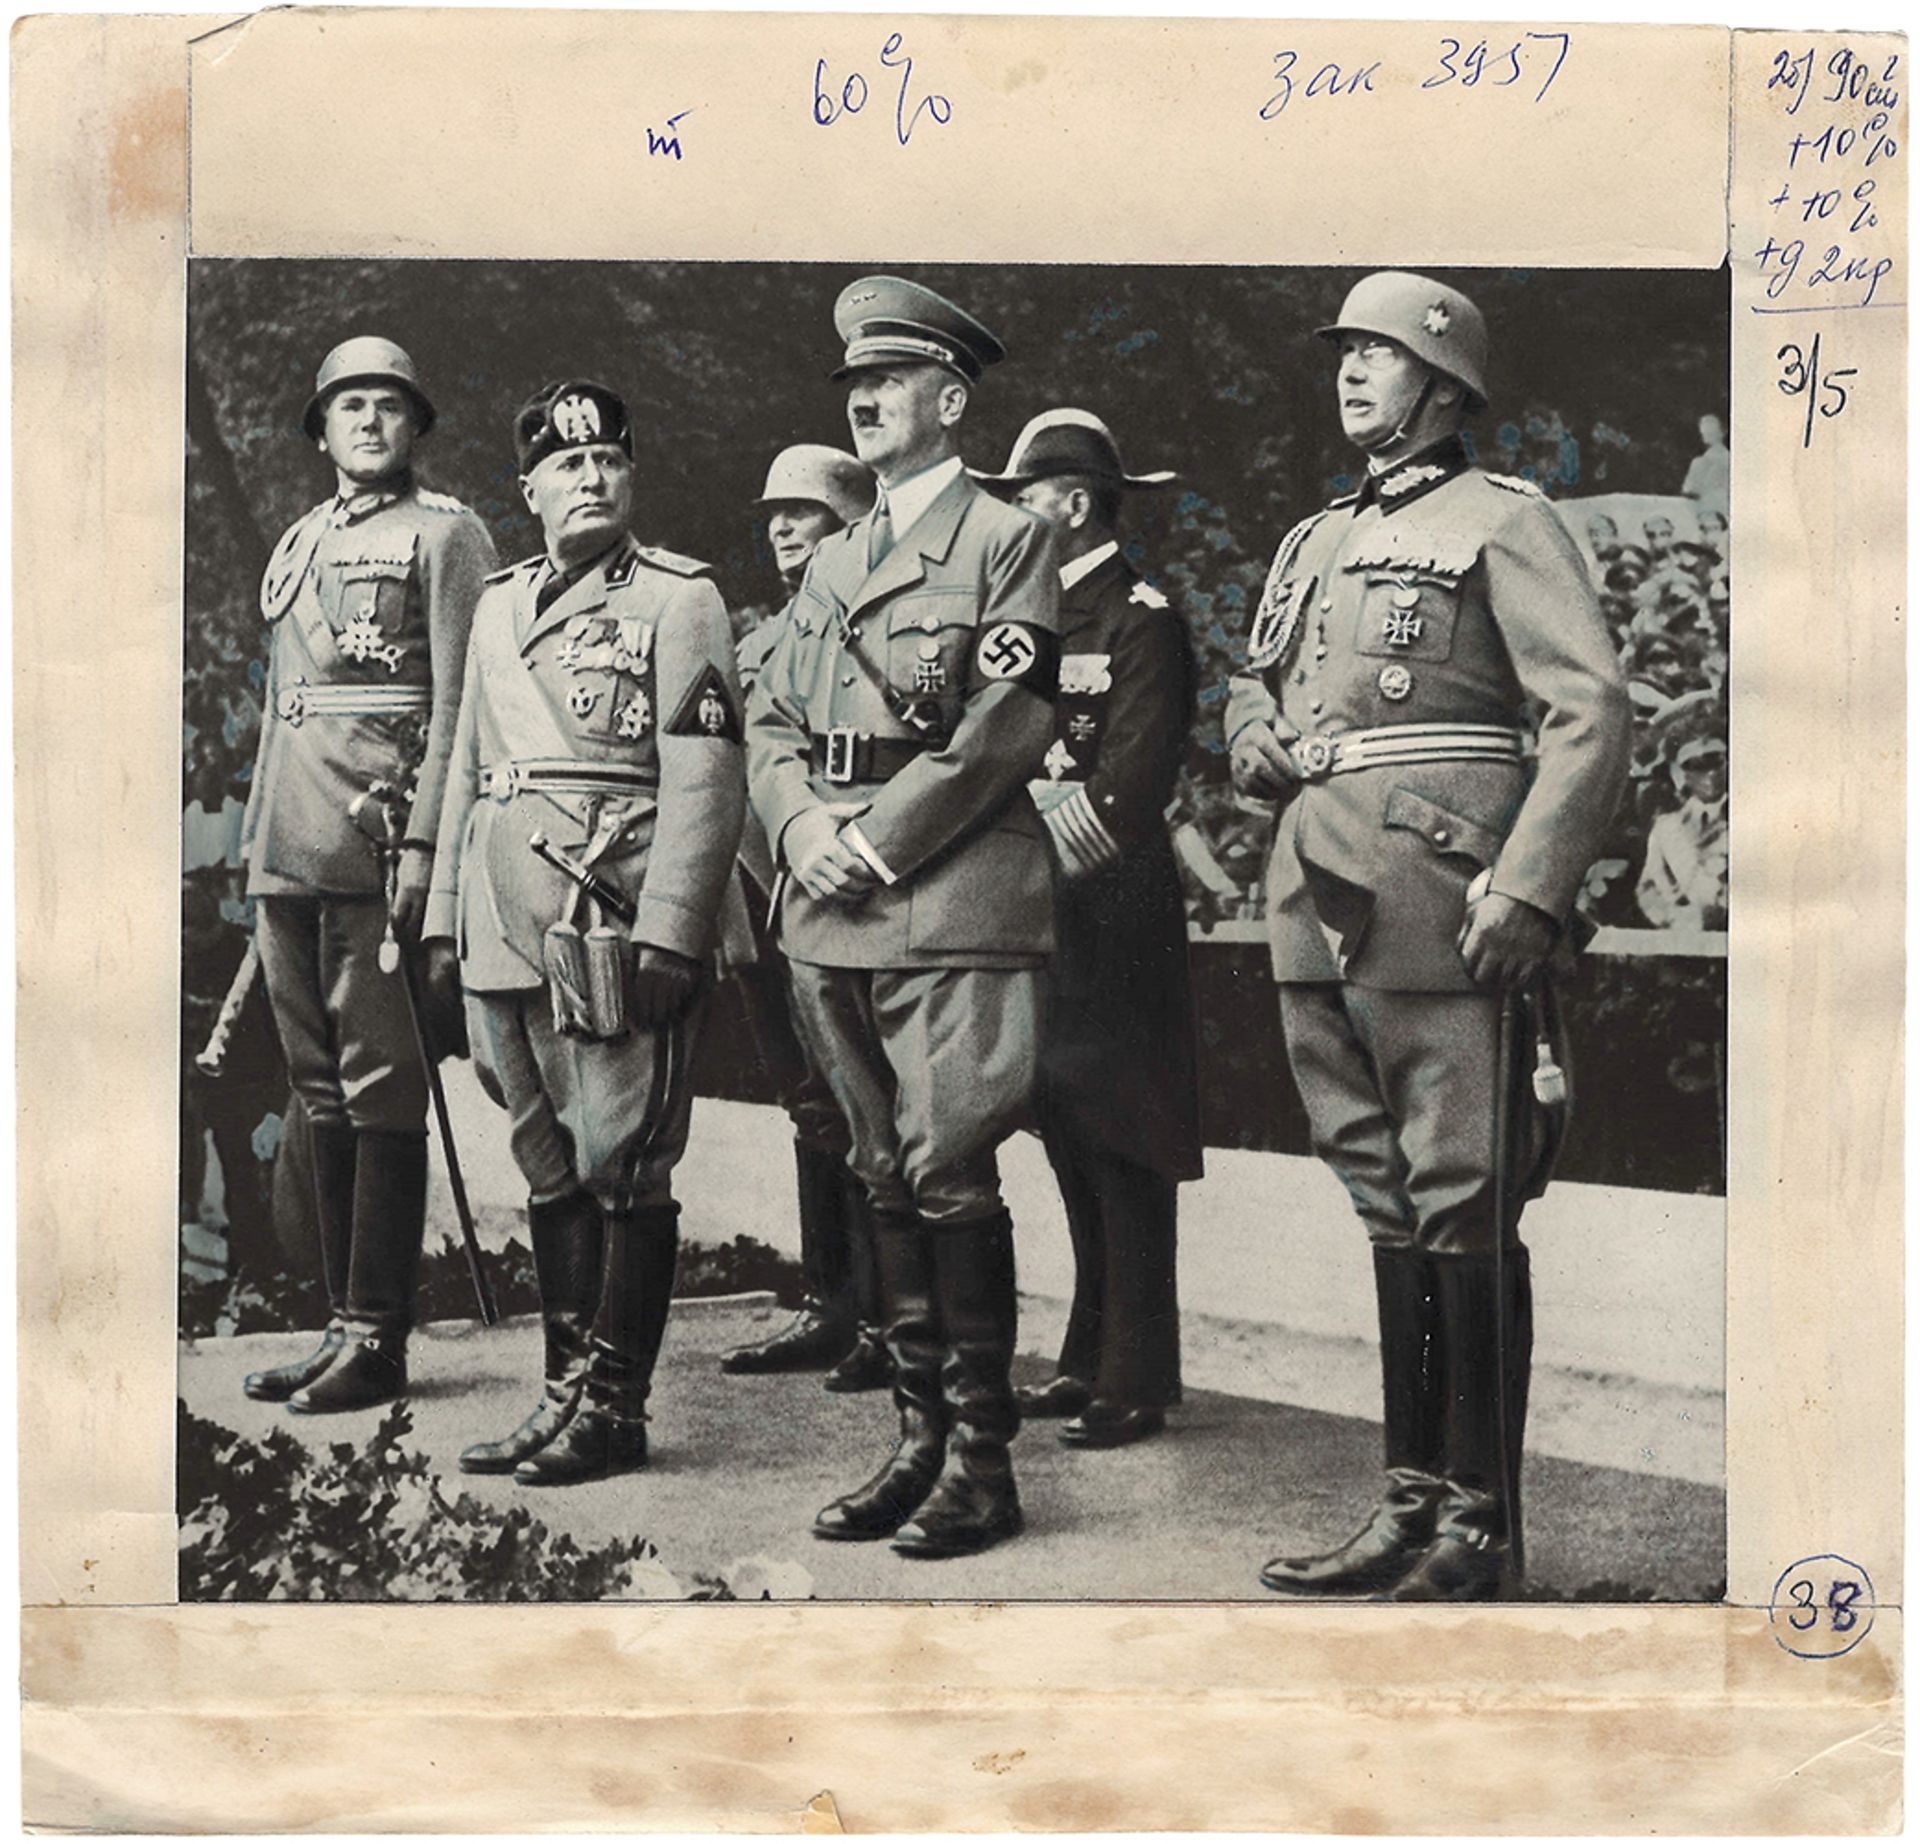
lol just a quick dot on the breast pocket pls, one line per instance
(372, 593)
(1407, 614)
(929, 637)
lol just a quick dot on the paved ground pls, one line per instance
(741, 1464)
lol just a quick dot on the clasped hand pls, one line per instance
(826, 865)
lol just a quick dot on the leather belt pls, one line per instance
(1405, 746)
(564, 775)
(846, 755)
(297, 702)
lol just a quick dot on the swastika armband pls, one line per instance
(707, 710)
(1020, 653)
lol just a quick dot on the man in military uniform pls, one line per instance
(593, 811)
(811, 492)
(1423, 874)
(891, 738)
(1119, 1089)
(369, 596)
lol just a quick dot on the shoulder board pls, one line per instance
(1150, 597)
(1291, 543)
(440, 502)
(1514, 484)
(673, 561)
(514, 569)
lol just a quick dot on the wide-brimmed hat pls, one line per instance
(1068, 442)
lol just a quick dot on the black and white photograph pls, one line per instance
(901, 931)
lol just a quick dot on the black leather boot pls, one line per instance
(567, 1262)
(903, 1257)
(867, 1366)
(389, 1219)
(975, 1503)
(607, 1434)
(1401, 1525)
(334, 1155)
(1474, 1553)
(821, 1332)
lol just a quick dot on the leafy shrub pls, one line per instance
(268, 1521)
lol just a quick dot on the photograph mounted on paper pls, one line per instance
(958, 932)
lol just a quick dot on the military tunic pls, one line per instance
(370, 597)
(1437, 647)
(1119, 1087)
(607, 721)
(915, 697)
(764, 977)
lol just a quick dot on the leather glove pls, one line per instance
(664, 984)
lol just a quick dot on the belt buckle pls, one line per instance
(1315, 757)
(840, 741)
(503, 783)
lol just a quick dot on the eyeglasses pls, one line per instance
(1375, 354)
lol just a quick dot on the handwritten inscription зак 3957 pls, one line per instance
(1530, 60)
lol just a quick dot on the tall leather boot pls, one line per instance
(1473, 1555)
(334, 1154)
(566, 1233)
(904, 1261)
(867, 1366)
(389, 1220)
(1401, 1526)
(608, 1431)
(975, 1504)
(821, 1332)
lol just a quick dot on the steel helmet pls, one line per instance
(1437, 324)
(825, 476)
(359, 360)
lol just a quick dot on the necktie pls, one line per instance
(880, 537)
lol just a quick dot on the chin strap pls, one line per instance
(1412, 416)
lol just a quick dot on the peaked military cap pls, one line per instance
(825, 476)
(888, 321)
(1439, 325)
(365, 359)
(573, 413)
(1068, 442)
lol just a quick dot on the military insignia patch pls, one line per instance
(1058, 760)
(1437, 320)
(576, 417)
(707, 710)
(1147, 596)
(1087, 674)
(1026, 655)
(1396, 684)
(623, 572)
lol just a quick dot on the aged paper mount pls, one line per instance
(1658, 147)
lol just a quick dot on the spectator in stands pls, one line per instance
(1684, 882)
(1710, 474)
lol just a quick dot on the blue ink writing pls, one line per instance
(855, 93)
(667, 144)
(1494, 66)
(1822, 1606)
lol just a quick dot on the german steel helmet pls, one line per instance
(1437, 324)
(363, 360)
(825, 476)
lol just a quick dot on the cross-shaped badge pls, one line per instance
(1081, 727)
(929, 676)
(1403, 628)
(633, 717)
